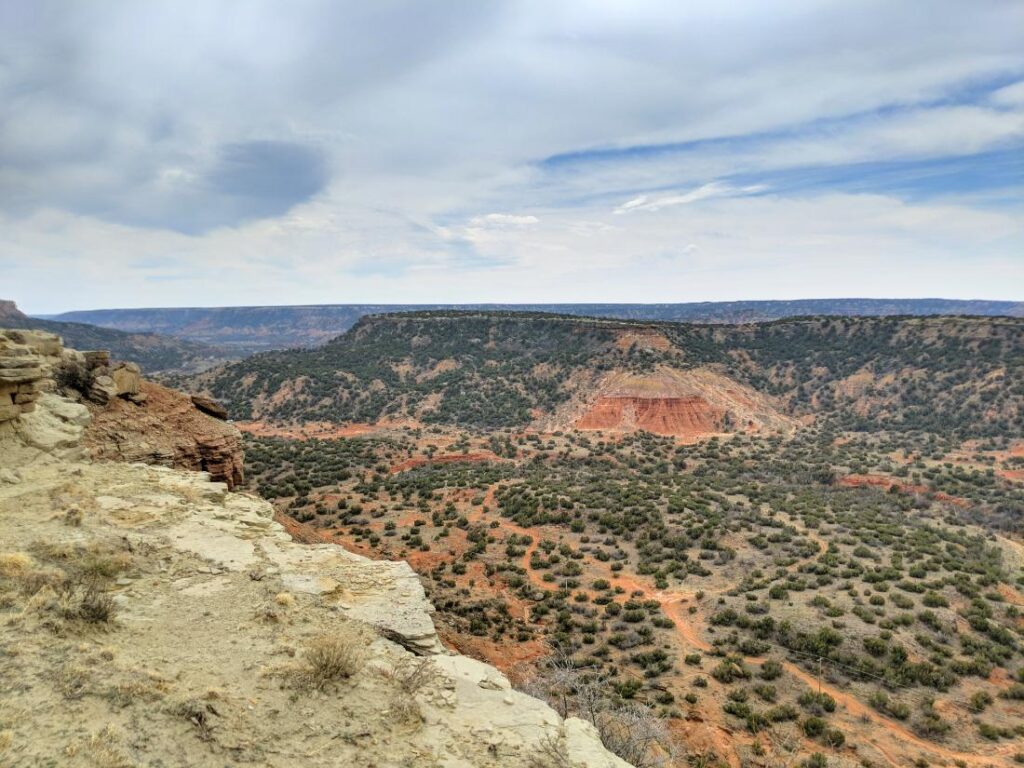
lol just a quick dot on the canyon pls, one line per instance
(202, 616)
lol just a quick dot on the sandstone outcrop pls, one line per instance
(132, 419)
(157, 425)
(192, 641)
(27, 359)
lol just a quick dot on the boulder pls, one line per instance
(127, 379)
(97, 358)
(102, 390)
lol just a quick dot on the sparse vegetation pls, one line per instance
(331, 658)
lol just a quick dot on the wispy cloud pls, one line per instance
(503, 220)
(714, 189)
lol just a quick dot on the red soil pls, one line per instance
(889, 737)
(881, 481)
(444, 458)
(506, 655)
(689, 404)
(318, 430)
(686, 417)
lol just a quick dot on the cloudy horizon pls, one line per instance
(225, 153)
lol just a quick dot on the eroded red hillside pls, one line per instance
(689, 404)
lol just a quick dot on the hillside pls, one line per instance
(956, 375)
(253, 329)
(153, 352)
(149, 617)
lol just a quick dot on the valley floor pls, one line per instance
(724, 563)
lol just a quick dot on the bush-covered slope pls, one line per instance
(946, 374)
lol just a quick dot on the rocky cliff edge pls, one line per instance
(132, 419)
(148, 616)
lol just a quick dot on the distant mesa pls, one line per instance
(245, 330)
(153, 352)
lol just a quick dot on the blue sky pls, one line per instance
(162, 153)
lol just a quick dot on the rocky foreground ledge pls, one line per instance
(148, 616)
(130, 418)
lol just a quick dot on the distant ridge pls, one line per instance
(255, 329)
(499, 369)
(154, 352)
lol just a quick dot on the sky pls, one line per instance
(238, 152)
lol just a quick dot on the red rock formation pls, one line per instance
(165, 427)
(689, 404)
(681, 416)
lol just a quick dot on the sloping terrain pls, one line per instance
(257, 329)
(165, 428)
(153, 352)
(957, 375)
(149, 617)
(723, 584)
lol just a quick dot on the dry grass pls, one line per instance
(550, 752)
(14, 565)
(415, 674)
(72, 681)
(331, 658)
(73, 517)
(103, 750)
(405, 709)
(95, 607)
(70, 586)
(139, 686)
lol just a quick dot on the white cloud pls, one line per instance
(503, 220)
(431, 122)
(714, 189)
(1010, 95)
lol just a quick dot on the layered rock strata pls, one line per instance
(132, 419)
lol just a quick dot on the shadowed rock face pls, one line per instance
(9, 310)
(165, 427)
